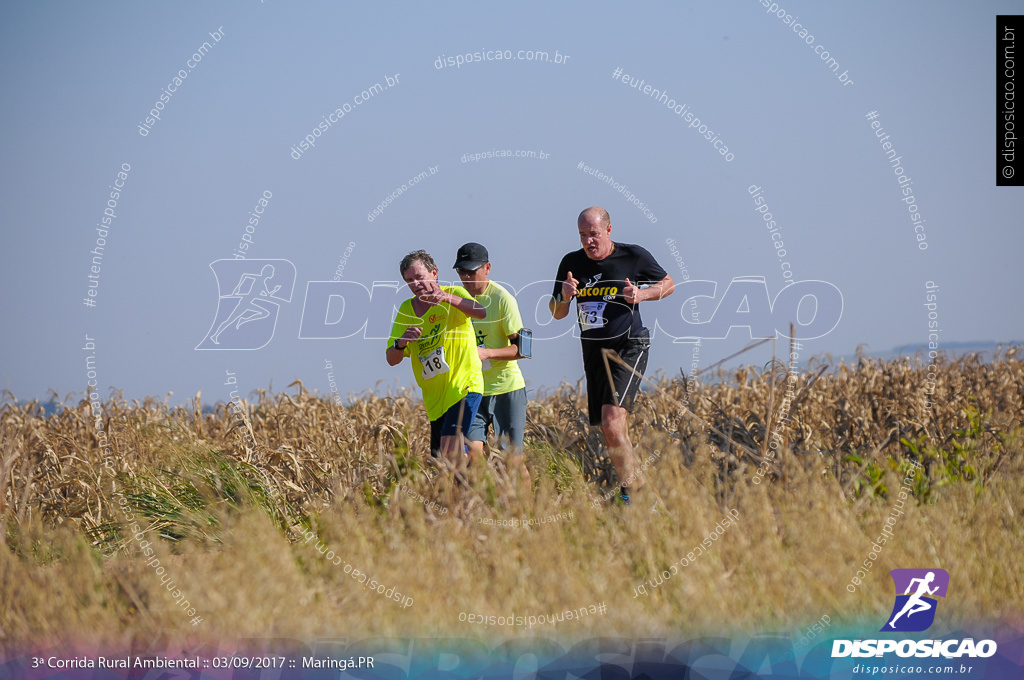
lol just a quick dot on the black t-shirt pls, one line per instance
(601, 310)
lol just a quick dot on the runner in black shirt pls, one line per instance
(605, 278)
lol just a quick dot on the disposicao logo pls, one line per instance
(912, 612)
(257, 288)
(915, 611)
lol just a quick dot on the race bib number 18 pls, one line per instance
(591, 314)
(434, 363)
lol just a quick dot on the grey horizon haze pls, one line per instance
(326, 136)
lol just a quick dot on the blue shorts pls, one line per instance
(448, 424)
(507, 412)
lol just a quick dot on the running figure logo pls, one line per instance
(247, 316)
(914, 610)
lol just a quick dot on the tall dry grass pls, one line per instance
(229, 503)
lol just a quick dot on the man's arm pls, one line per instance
(660, 290)
(656, 291)
(511, 323)
(468, 306)
(560, 310)
(395, 355)
(504, 353)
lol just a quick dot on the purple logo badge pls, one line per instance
(915, 605)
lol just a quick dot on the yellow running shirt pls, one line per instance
(492, 332)
(445, 361)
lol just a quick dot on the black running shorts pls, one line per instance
(633, 351)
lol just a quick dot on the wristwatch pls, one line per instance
(400, 349)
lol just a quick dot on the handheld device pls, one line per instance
(524, 341)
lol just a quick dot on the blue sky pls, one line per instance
(80, 79)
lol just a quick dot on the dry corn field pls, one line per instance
(263, 519)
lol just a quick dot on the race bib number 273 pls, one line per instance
(591, 314)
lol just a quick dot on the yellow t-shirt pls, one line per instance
(492, 332)
(445, 361)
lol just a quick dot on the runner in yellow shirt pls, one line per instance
(435, 330)
(504, 401)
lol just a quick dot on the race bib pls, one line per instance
(591, 314)
(433, 363)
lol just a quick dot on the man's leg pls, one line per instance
(452, 443)
(435, 437)
(450, 448)
(476, 451)
(478, 430)
(516, 462)
(627, 381)
(510, 424)
(620, 450)
(611, 388)
(456, 425)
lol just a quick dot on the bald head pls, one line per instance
(594, 216)
(595, 227)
